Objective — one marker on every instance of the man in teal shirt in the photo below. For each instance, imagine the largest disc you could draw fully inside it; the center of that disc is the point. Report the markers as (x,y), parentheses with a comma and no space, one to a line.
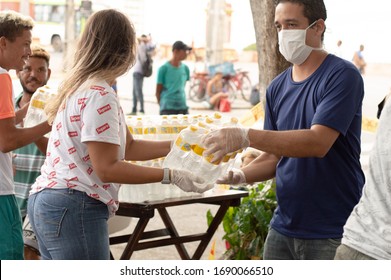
(171,80)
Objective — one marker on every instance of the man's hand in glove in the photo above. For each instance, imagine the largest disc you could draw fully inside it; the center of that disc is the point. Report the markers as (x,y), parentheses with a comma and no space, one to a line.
(233,177)
(223,141)
(188,182)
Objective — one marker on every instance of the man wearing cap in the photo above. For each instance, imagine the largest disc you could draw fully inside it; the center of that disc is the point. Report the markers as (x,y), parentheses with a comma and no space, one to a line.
(171,80)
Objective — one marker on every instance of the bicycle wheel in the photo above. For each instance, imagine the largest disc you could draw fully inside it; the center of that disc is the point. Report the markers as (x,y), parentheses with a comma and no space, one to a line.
(197,91)
(230,88)
(246,87)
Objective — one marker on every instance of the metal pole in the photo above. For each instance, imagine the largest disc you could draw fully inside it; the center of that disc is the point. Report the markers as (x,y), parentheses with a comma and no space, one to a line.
(215,32)
(24,7)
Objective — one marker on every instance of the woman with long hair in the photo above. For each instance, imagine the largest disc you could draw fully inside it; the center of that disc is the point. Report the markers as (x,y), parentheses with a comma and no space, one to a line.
(90,147)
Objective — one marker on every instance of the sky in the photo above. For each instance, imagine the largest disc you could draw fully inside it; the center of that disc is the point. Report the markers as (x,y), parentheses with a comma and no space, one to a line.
(354,22)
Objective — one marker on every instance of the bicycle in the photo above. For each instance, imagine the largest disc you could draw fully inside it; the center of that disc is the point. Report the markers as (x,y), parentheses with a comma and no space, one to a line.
(197,88)
(199,82)
(240,81)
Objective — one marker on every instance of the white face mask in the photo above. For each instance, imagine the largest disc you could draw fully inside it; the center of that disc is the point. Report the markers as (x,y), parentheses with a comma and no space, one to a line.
(292,45)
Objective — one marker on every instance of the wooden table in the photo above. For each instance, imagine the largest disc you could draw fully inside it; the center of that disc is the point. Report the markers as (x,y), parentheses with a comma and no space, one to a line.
(142,202)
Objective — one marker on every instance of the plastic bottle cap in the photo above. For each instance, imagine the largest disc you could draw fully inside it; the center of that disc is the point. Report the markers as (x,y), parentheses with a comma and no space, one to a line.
(208,120)
(201,124)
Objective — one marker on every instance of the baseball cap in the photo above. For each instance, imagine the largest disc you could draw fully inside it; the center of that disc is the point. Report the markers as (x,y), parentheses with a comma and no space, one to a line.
(179,45)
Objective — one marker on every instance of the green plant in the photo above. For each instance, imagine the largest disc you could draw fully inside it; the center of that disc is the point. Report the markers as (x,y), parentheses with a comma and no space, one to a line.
(247,225)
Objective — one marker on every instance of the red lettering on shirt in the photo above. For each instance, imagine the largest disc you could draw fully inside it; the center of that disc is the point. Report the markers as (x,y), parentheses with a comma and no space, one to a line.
(72,166)
(86,158)
(80,101)
(102,128)
(95,186)
(52,184)
(71,150)
(72,133)
(97,88)
(89,170)
(106,186)
(94,195)
(104,109)
(52,175)
(56,143)
(71,185)
(103,93)
(58,126)
(72,179)
(56,160)
(111,202)
(75,118)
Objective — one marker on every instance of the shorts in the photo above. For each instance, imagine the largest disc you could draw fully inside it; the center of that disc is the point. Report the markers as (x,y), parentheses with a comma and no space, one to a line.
(11,244)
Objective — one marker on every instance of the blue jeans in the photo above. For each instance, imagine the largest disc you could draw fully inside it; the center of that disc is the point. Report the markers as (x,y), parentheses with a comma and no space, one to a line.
(281,247)
(138,80)
(345,252)
(69,225)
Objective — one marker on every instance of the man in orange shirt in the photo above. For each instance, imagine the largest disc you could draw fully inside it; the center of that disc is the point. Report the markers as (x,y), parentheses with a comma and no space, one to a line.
(15,40)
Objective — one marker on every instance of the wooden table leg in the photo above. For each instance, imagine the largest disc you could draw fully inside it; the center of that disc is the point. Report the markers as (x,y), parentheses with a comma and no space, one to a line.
(211,230)
(134,239)
(173,233)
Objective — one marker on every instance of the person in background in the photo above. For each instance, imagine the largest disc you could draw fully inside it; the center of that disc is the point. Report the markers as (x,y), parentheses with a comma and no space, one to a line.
(310,142)
(15,41)
(249,156)
(215,91)
(367,232)
(29,159)
(145,46)
(90,148)
(359,61)
(171,80)
(338,50)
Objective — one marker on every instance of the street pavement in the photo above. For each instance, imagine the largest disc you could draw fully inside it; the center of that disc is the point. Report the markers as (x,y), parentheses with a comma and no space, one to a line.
(192,218)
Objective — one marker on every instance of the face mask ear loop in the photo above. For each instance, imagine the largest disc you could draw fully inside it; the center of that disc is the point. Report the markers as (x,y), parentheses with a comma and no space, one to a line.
(311,25)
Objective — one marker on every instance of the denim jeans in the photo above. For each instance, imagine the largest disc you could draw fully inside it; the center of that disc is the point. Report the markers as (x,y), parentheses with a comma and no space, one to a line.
(69,225)
(138,81)
(281,247)
(347,253)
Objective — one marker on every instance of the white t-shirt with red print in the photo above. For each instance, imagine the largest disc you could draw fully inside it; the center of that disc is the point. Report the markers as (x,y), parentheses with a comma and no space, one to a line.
(92,113)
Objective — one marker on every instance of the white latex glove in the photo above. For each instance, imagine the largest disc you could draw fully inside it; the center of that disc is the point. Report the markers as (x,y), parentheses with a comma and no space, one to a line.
(233,177)
(223,141)
(188,182)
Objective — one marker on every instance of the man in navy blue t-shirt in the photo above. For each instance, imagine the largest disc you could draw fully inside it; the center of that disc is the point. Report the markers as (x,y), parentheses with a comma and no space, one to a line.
(311,139)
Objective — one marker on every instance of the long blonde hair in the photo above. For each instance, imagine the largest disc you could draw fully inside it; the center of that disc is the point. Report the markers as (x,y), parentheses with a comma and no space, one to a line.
(105,50)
